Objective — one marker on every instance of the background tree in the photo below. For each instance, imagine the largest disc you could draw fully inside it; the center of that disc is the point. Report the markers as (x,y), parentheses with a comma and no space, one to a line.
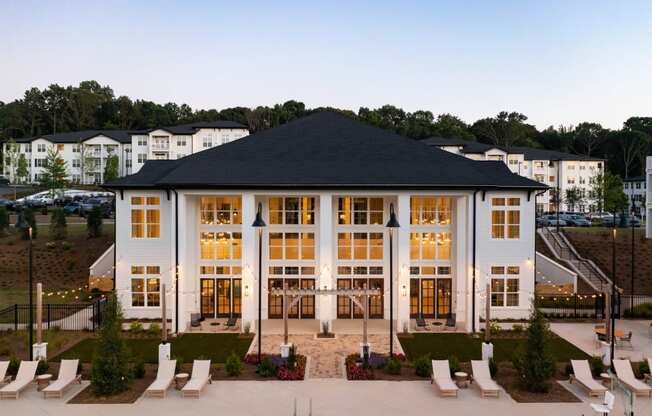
(588,137)
(111,168)
(22,172)
(615,199)
(573,197)
(11,158)
(534,361)
(58,225)
(112,370)
(94,222)
(54,171)
(4,221)
(504,130)
(448,125)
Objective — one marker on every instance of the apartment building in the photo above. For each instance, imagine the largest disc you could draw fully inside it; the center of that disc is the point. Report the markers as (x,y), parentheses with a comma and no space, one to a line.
(635,188)
(558,170)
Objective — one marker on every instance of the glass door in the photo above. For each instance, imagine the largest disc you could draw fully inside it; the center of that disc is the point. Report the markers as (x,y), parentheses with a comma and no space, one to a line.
(293,312)
(427,298)
(207,298)
(444,297)
(236,292)
(275,302)
(223,298)
(376,301)
(308,302)
(358,313)
(343,302)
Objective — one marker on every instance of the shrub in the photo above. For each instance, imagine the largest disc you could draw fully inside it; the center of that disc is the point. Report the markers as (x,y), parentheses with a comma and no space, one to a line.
(393,366)
(534,361)
(154,329)
(42,367)
(51,245)
(31,220)
(518,328)
(643,368)
(66,245)
(111,372)
(644,310)
(14,364)
(495,328)
(94,223)
(324,327)
(568,370)
(422,366)
(597,366)
(58,224)
(136,327)
(233,365)
(139,369)
(493,368)
(454,364)
(266,368)
(292,357)
(179,365)
(4,221)
(247,328)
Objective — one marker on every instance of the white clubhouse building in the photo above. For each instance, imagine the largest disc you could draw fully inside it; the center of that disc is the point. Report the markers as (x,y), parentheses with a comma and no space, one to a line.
(325,184)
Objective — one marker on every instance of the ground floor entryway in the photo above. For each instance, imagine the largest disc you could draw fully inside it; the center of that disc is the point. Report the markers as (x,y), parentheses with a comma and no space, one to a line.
(430,298)
(221,298)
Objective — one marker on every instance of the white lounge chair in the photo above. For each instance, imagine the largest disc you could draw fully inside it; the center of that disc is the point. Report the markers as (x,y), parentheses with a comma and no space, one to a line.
(67,376)
(441,377)
(626,375)
(4,377)
(482,377)
(605,407)
(582,374)
(201,375)
(25,376)
(164,379)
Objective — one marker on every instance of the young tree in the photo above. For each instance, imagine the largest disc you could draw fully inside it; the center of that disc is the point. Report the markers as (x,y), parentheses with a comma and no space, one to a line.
(94,222)
(573,197)
(4,221)
(22,172)
(112,365)
(54,172)
(111,168)
(11,158)
(58,224)
(534,361)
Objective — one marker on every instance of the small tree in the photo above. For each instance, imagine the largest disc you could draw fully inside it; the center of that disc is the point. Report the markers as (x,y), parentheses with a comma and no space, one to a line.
(112,365)
(58,224)
(11,158)
(22,172)
(573,198)
(111,168)
(4,221)
(54,172)
(31,220)
(534,361)
(94,222)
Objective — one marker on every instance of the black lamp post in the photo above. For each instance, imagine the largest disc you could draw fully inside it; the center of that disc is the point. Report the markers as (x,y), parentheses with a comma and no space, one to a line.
(22,224)
(612,337)
(259,223)
(557,191)
(391,224)
(631,221)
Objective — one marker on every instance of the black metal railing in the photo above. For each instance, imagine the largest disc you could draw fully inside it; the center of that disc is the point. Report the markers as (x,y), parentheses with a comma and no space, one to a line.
(69,317)
(573,306)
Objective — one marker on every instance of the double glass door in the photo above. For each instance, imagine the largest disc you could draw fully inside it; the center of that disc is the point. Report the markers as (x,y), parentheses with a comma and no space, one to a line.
(430,298)
(305,309)
(347,309)
(221,298)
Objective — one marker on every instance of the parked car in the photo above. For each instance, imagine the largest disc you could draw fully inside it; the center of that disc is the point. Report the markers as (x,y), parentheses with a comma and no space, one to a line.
(626,221)
(8,204)
(72,208)
(575,220)
(551,221)
(4,181)
(87,206)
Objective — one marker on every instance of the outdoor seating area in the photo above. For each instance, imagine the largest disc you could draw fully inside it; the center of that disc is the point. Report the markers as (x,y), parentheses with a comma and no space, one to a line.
(421,324)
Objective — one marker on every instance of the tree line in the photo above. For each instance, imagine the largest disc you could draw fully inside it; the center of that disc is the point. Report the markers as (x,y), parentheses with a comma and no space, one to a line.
(90,105)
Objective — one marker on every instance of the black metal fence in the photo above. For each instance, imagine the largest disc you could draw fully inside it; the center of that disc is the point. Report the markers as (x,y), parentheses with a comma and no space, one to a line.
(574,306)
(69,317)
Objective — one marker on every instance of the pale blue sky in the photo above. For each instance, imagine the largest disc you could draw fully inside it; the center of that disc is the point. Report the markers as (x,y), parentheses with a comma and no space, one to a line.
(558,62)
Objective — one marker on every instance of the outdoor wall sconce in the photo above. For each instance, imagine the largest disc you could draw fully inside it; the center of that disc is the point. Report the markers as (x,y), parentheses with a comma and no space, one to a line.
(246,291)
(403,291)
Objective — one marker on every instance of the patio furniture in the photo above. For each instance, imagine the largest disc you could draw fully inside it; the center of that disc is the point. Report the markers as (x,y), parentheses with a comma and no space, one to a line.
(441,377)
(422,324)
(606,406)
(201,376)
(231,323)
(4,377)
(582,374)
(195,320)
(482,377)
(25,376)
(450,322)
(42,381)
(603,332)
(625,341)
(606,380)
(626,375)
(164,379)
(67,376)
(180,380)
(461,379)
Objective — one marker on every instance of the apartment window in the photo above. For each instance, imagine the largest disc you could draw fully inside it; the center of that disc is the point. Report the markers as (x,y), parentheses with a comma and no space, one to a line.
(221,210)
(207,141)
(76,163)
(539,164)
(513,161)
(430,246)
(28,148)
(504,286)
(360,246)
(40,148)
(39,163)
(145,286)
(142,157)
(225,139)
(128,163)
(292,210)
(539,178)
(571,167)
(430,211)
(181,141)
(571,181)
(582,167)
(76,178)
(638,185)
(582,181)
(142,141)
(76,148)
(291,246)
(145,217)
(220,246)
(360,211)
(505,218)
(551,179)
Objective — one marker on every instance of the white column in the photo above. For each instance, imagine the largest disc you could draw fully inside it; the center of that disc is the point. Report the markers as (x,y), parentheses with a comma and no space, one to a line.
(402,269)
(461,244)
(249,262)
(326,242)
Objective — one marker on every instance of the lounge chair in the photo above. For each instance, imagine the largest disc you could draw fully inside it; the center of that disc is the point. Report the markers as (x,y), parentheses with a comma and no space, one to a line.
(582,374)
(451,322)
(25,376)
(201,375)
(625,341)
(441,377)
(422,324)
(606,406)
(164,379)
(67,376)
(231,323)
(626,376)
(4,377)
(482,377)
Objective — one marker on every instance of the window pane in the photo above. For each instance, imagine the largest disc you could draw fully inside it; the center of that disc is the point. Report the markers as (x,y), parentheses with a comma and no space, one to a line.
(360,210)
(344,210)
(153,231)
(443,270)
(153,200)
(444,246)
(498,231)
(376,246)
(137,299)
(137,216)
(498,202)
(236,206)
(153,270)
(207,210)
(514,202)
(206,270)
(512,285)
(344,246)
(307,246)
(137,231)
(416,205)
(136,200)
(223,243)
(414,246)
(292,210)
(153,299)
(497,299)
(137,285)
(359,246)
(307,210)
(512,299)
(153,285)
(275,246)
(236,242)
(292,246)
(428,246)
(513,270)
(207,246)
(137,269)
(376,210)
(497,270)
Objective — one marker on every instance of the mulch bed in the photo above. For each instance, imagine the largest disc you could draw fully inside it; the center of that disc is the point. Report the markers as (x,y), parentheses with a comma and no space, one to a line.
(137,388)
(508,378)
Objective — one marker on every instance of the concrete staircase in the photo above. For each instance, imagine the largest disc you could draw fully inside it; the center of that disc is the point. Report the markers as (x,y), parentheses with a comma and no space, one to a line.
(564,252)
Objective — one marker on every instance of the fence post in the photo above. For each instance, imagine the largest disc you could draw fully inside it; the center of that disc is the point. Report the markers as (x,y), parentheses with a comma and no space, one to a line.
(93,317)
(48,308)
(16,317)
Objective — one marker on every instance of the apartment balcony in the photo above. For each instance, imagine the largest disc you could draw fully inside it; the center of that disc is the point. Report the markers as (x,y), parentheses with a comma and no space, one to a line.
(161,147)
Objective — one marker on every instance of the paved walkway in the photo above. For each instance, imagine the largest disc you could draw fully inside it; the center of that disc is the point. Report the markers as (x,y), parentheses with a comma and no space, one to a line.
(327,354)
(329,397)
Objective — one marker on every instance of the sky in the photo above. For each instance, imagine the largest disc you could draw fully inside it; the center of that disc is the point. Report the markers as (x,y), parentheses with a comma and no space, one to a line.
(557,62)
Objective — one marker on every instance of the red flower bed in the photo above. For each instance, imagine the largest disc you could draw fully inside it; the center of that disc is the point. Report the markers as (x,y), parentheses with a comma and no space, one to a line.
(355,369)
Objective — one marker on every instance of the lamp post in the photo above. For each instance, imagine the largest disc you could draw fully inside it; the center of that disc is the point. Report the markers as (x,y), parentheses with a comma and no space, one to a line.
(612,338)
(391,224)
(558,190)
(22,224)
(259,223)
(631,222)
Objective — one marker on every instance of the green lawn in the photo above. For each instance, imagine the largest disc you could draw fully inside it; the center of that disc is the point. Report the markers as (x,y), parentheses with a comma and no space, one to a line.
(466,348)
(215,347)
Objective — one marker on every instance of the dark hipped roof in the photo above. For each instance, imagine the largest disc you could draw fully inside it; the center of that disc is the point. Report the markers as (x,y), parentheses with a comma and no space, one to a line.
(529,153)
(121,136)
(192,128)
(635,179)
(325,150)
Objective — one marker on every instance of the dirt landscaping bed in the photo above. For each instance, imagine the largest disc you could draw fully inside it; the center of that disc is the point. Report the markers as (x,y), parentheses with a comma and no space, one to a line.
(137,388)
(508,379)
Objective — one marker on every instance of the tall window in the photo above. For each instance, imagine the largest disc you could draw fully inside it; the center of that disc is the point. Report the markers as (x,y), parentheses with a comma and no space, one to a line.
(430,211)
(145,217)
(145,286)
(291,246)
(220,246)
(505,218)
(360,246)
(504,286)
(292,210)
(207,141)
(360,211)
(221,210)
(430,246)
